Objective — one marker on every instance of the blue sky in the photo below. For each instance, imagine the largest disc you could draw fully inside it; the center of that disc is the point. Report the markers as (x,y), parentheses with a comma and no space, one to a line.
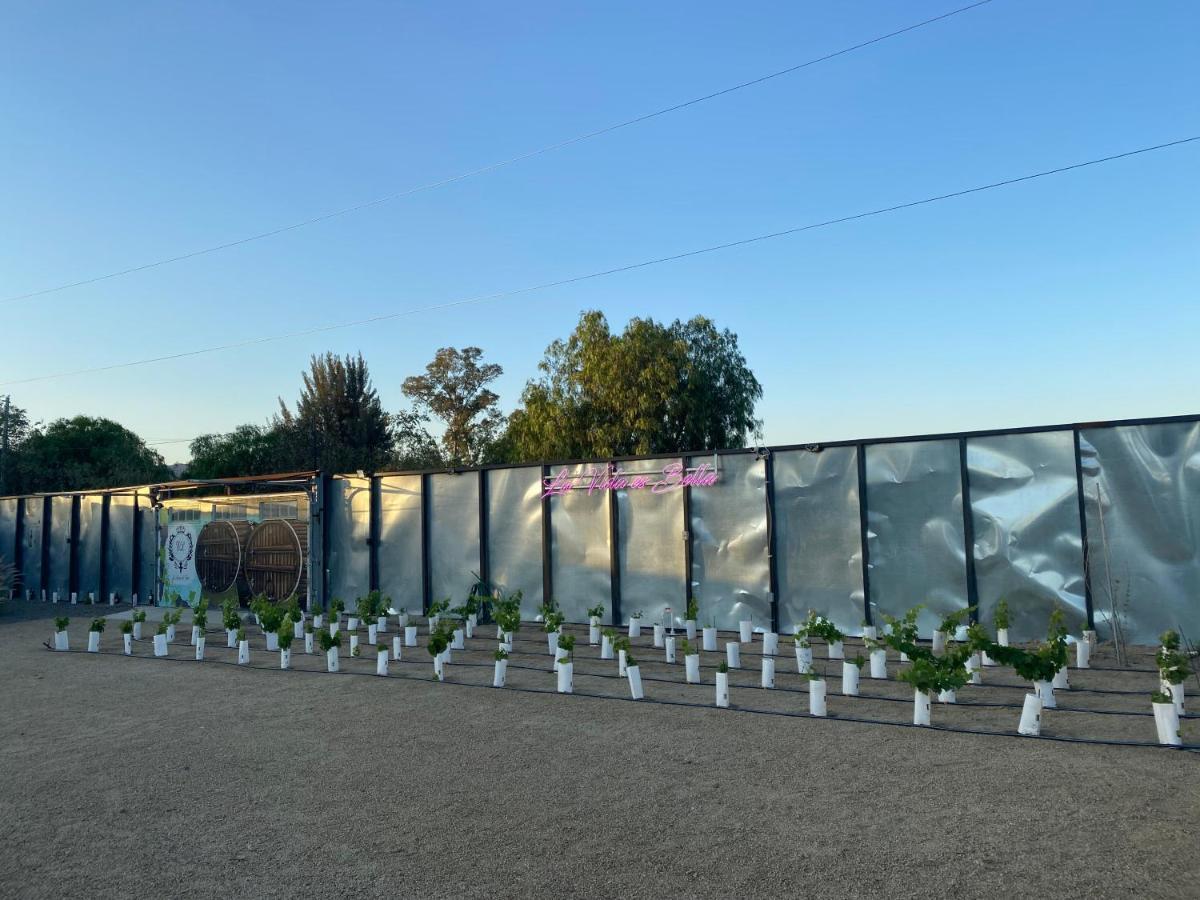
(135,131)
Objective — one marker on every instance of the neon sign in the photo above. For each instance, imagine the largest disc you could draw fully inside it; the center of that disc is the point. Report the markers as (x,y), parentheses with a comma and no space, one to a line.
(673,477)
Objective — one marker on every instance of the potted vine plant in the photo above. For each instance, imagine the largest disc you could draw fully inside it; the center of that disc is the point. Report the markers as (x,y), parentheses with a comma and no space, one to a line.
(127,637)
(635,624)
(669,648)
(1166,718)
(768,672)
(336,608)
(381,659)
(877,653)
(243,645)
(870,632)
(1083,652)
(851,669)
(746,631)
(826,630)
(501,671)
(171,619)
(622,645)
(439,643)
(1057,631)
(931,674)
(296,615)
(722,684)
(803,650)
(271,618)
(353,642)
(594,616)
(566,672)
(635,676)
(733,654)
(201,640)
(1173,669)
(436,609)
(402,617)
(160,639)
(1000,622)
(691,662)
(692,616)
(310,626)
(553,624)
(606,643)
(659,632)
(816,693)
(410,635)
(331,642)
(94,632)
(139,617)
(285,649)
(566,646)
(709,636)
(1031,716)
(770,643)
(951,622)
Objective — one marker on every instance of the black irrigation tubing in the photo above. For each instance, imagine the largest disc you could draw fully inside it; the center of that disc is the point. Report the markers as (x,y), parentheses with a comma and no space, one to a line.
(1105,742)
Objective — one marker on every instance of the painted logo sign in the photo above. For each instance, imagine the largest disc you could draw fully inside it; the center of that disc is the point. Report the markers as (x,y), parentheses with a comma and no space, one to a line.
(672,477)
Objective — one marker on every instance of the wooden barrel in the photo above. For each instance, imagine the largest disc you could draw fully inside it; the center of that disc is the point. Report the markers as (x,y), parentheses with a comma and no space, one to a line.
(276,559)
(219,555)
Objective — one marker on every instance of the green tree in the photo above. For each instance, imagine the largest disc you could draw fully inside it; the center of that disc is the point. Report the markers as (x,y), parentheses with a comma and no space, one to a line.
(84,453)
(454,388)
(339,424)
(652,389)
(247,450)
(14,428)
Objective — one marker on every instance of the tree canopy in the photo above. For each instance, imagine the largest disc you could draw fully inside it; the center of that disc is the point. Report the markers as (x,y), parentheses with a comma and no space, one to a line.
(652,389)
(454,388)
(84,453)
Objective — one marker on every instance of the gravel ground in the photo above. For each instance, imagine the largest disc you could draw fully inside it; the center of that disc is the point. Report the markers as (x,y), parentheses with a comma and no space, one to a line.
(140,777)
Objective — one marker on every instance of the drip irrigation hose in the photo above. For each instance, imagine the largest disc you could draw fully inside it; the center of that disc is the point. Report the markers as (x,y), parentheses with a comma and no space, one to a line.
(1106,742)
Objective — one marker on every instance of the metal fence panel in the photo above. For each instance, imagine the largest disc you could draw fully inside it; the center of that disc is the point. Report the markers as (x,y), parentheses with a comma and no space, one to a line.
(8,531)
(120,547)
(1142,493)
(31,552)
(400,541)
(453,535)
(580,565)
(348,511)
(149,551)
(817,537)
(91,532)
(514,516)
(730,572)
(60,548)
(915,538)
(651,534)
(1025,513)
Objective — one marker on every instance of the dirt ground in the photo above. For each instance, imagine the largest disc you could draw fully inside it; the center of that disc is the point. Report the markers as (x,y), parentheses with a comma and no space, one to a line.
(141,777)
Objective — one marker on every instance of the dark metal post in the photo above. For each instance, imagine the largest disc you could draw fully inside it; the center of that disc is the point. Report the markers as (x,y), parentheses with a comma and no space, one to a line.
(73,544)
(772,569)
(426,573)
(485,575)
(135,581)
(318,516)
(374,530)
(547,579)
(614,552)
(860,455)
(19,543)
(688,583)
(968,530)
(105,507)
(44,571)
(1083,531)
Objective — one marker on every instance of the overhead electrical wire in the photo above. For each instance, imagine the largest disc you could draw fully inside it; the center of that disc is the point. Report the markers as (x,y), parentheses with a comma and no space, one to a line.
(562,282)
(491,167)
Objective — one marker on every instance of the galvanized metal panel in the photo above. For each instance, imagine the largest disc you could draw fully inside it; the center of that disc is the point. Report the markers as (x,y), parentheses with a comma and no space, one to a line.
(1142,489)
(91,515)
(580,565)
(31,553)
(120,547)
(348,511)
(817,537)
(453,535)
(730,571)
(514,511)
(60,547)
(8,530)
(1025,513)
(651,534)
(148,539)
(915,538)
(400,541)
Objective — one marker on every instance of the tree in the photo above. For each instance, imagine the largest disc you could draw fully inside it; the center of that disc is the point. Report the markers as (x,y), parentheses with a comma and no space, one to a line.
(652,389)
(84,453)
(14,427)
(247,450)
(339,424)
(454,388)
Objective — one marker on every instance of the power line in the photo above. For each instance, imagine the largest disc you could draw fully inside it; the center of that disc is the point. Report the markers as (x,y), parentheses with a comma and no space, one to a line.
(491,167)
(742,242)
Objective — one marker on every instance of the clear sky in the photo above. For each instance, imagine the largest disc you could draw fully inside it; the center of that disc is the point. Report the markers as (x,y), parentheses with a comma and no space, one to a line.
(132,131)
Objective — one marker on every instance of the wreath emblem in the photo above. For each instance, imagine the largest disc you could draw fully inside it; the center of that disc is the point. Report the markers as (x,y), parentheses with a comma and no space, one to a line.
(180,547)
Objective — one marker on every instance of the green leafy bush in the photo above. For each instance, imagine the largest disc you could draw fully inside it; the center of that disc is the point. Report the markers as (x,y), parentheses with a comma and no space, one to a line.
(596,611)
(329,641)
(98,625)
(61,623)
(693,608)
(1000,616)
(127,627)
(285,639)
